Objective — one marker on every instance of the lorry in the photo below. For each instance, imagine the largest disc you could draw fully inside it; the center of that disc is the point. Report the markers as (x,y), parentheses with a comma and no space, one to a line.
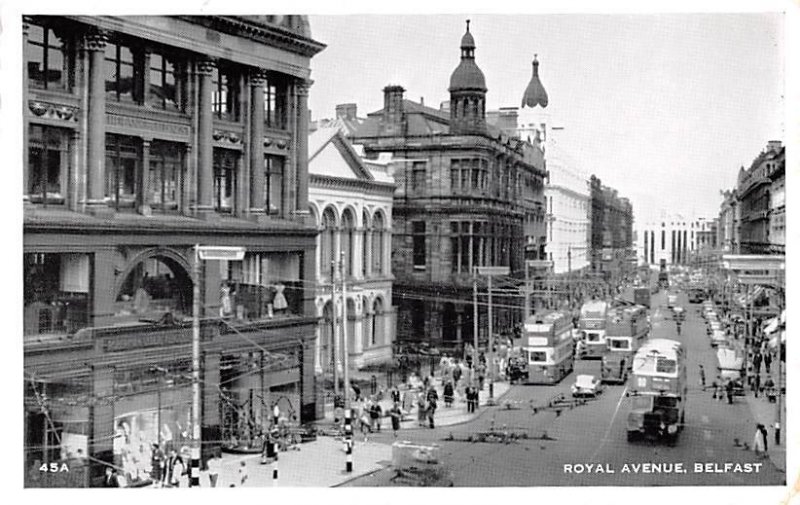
(658,390)
(626,329)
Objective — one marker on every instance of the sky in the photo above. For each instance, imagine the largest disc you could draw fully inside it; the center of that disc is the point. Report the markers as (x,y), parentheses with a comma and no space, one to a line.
(664,108)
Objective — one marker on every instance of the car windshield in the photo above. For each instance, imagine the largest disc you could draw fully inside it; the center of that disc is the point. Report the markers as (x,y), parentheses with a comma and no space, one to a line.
(584,381)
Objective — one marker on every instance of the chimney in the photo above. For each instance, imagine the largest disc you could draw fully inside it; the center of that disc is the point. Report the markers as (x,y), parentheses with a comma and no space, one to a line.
(422,100)
(392,110)
(774,145)
(346,111)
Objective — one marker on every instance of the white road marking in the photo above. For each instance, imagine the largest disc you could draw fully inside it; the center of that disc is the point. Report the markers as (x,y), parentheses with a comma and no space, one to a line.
(610,424)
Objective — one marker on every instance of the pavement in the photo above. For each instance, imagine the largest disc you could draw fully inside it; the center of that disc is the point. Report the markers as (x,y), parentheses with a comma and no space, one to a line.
(322,462)
(764,412)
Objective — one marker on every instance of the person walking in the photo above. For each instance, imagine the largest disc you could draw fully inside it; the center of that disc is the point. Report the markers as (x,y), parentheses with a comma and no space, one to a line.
(213,469)
(431,411)
(729,390)
(757,362)
(421,410)
(702,376)
(157,465)
(396,415)
(178,469)
(376,412)
(767,361)
(756,384)
(760,440)
(448,394)
(395,395)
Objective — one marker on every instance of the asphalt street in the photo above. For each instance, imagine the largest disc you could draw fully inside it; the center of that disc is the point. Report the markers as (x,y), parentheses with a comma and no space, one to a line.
(561,445)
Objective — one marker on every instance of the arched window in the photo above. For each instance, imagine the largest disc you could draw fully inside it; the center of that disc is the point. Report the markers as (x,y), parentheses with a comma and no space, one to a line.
(368,324)
(326,337)
(364,251)
(328,240)
(377,243)
(153,287)
(377,322)
(348,236)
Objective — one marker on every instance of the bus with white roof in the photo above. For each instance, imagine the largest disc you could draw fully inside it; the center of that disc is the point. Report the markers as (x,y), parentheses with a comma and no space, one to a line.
(592,329)
(658,389)
(548,347)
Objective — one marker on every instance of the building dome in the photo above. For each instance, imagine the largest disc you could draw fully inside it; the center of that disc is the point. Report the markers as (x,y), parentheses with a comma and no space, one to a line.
(467,76)
(535,93)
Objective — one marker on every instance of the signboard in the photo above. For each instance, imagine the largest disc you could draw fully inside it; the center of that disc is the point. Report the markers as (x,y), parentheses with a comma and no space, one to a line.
(221,253)
(537,341)
(539,263)
(494,270)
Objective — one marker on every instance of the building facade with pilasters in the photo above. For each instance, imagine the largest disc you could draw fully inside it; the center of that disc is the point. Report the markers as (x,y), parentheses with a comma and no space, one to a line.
(143,137)
(351,201)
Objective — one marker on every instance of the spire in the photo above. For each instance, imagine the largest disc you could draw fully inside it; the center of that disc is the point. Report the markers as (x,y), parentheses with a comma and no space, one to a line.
(535,93)
(467,75)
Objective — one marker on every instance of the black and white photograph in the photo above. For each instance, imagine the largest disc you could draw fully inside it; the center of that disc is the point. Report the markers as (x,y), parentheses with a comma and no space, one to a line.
(401,248)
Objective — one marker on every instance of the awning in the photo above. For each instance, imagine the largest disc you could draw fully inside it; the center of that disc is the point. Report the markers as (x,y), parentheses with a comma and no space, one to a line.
(745,299)
(773,342)
(772,325)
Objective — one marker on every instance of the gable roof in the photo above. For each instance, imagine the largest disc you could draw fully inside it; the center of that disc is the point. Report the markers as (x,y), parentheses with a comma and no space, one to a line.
(328,143)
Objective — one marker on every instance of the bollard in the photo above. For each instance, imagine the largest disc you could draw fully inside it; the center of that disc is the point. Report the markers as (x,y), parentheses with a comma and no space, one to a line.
(348,438)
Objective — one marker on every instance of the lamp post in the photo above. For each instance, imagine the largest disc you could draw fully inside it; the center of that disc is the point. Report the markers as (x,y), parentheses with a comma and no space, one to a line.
(489,272)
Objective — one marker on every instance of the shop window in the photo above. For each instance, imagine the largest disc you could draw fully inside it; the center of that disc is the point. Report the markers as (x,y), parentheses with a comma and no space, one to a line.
(263,285)
(225,92)
(165,176)
(154,287)
(122,164)
(162,92)
(273,183)
(47,165)
(56,293)
(225,180)
(45,56)
(121,73)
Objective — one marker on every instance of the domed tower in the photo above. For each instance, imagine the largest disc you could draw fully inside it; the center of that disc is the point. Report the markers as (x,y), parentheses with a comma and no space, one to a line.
(533,118)
(467,92)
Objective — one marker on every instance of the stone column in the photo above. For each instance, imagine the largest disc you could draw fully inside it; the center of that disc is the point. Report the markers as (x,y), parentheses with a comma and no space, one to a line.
(95,45)
(143,196)
(186,179)
(368,259)
(205,150)
(256,142)
(356,255)
(301,133)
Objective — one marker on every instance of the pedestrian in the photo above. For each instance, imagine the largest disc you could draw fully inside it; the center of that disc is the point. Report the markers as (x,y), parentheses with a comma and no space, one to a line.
(395,395)
(765,436)
(421,408)
(448,394)
(364,420)
(276,413)
(178,470)
(702,377)
(431,411)
(243,473)
(213,469)
(729,390)
(757,385)
(757,362)
(169,466)
(111,479)
(760,440)
(457,372)
(157,458)
(767,361)
(474,395)
(396,415)
(376,412)
(714,389)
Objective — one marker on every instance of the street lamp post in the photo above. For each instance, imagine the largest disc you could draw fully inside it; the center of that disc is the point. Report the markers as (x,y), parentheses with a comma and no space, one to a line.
(489,272)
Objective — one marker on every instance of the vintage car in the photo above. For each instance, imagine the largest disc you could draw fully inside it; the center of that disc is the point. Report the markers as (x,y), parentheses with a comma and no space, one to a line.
(586,386)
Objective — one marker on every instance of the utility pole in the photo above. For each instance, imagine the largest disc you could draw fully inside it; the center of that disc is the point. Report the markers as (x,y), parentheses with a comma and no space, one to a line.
(475,314)
(345,349)
(335,330)
(491,343)
(527,308)
(194,471)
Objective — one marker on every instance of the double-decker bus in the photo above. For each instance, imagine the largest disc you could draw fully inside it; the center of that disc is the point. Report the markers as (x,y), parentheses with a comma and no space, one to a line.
(626,329)
(592,329)
(658,389)
(547,347)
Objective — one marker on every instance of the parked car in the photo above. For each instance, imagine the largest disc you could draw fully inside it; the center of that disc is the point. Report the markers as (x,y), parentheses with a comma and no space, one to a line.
(586,386)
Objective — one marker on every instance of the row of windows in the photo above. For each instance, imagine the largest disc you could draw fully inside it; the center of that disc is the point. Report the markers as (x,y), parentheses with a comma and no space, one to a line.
(151,77)
(48,169)
(328,249)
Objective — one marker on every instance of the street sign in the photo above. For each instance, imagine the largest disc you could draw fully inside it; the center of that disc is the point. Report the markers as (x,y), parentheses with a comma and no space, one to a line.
(221,253)
(494,270)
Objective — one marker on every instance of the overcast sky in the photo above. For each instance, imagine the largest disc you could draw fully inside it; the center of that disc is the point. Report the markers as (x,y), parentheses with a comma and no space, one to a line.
(662,107)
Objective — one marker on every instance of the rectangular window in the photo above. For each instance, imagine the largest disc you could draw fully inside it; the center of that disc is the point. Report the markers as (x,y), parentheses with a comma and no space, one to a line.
(455,176)
(225,94)
(120,73)
(418,235)
(477,243)
(663,239)
(273,181)
(455,249)
(44,55)
(122,164)
(162,92)
(56,291)
(165,176)
(224,180)
(418,172)
(47,165)
(476,175)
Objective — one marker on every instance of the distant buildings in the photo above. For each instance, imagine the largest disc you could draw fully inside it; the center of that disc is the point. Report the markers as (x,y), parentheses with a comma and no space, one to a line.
(677,239)
(611,219)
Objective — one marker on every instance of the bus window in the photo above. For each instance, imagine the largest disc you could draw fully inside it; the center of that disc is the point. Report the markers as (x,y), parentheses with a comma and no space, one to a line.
(620,344)
(538,357)
(593,337)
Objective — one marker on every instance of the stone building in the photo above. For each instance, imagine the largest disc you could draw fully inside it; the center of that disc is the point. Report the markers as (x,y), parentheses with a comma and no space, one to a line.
(145,136)
(465,192)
